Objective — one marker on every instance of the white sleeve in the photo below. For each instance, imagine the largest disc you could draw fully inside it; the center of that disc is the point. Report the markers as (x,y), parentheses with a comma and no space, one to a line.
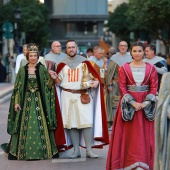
(161,70)
(18,61)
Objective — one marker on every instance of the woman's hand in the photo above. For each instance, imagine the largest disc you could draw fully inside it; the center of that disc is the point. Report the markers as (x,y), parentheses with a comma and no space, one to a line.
(137,106)
(94,83)
(53,74)
(17,107)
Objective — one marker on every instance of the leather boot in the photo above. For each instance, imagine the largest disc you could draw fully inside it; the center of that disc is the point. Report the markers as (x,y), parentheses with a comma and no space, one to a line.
(74,133)
(87,132)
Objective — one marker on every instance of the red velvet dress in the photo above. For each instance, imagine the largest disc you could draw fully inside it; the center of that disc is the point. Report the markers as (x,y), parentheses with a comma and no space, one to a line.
(132,142)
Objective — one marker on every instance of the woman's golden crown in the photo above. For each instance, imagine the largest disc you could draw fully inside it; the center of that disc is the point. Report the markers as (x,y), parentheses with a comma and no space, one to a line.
(32,48)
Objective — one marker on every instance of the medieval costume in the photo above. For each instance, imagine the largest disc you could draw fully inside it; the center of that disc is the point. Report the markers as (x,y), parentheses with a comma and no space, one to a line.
(160,65)
(32,127)
(98,65)
(132,139)
(162,126)
(2,72)
(52,60)
(75,114)
(112,80)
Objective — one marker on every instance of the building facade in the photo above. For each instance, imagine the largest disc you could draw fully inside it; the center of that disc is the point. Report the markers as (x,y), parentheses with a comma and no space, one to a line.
(113,4)
(82,20)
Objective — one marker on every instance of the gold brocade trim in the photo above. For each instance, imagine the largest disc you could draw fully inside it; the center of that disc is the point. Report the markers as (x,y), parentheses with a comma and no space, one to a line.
(17,98)
(69,114)
(49,152)
(31,76)
(46,134)
(50,82)
(77,113)
(135,165)
(80,126)
(21,132)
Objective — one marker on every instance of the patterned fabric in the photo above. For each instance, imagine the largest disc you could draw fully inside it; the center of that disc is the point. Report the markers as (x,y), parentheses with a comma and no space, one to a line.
(32,127)
(138,74)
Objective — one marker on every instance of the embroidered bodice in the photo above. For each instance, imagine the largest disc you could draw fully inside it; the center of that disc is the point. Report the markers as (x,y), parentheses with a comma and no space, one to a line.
(138,74)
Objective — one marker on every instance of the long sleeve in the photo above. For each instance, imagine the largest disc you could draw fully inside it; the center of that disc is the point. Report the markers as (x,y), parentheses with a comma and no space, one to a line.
(17,98)
(122,81)
(161,67)
(153,83)
(48,96)
(18,61)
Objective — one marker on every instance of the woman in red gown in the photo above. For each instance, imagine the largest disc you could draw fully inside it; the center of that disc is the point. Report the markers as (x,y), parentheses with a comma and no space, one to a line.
(132,138)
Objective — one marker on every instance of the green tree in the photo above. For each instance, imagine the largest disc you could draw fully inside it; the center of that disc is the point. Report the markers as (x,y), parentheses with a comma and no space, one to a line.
(152,16)
(118,22)
(34,19)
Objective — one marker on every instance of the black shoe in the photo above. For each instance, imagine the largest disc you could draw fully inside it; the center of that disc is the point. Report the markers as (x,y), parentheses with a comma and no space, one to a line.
(12,157)
(56,155)
(5,147)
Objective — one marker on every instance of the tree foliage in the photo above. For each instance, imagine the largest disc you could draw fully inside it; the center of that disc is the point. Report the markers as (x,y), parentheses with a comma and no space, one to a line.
(34,20)
(153,16)
(118,22)
(143,15)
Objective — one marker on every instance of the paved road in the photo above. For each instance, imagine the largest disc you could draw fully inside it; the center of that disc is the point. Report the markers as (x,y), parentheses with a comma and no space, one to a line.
(63,163)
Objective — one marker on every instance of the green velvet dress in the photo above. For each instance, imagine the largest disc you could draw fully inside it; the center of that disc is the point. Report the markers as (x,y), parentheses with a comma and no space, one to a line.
(32,128)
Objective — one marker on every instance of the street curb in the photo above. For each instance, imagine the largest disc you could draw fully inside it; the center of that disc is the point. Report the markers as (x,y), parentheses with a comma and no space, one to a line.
(5,98)
(6,91)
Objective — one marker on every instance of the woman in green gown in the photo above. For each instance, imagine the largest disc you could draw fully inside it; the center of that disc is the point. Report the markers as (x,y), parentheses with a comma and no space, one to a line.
(32,114)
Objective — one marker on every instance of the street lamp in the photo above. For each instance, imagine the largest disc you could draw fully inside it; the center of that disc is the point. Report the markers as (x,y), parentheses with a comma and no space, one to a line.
(17,16)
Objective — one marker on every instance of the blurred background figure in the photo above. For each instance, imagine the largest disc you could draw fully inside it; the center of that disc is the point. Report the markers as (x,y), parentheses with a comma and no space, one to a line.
(55,56)
(112,78)
(111,52)
(20,57)
(11,70)
(105,60)
(2,70)
(158,62)
(162,126)
(89,52)
(168,61)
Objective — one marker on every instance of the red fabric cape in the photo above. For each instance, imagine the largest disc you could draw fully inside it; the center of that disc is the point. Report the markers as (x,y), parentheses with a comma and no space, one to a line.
(59,132)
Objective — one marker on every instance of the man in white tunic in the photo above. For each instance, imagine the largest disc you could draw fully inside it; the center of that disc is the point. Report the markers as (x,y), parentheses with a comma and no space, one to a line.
(85,123)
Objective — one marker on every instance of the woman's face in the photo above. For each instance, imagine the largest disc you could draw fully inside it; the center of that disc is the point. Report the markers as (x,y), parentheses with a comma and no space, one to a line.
(33,58)
(137,53)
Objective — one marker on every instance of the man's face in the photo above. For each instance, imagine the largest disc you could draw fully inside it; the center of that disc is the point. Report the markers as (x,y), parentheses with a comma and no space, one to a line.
(149,53)
(123,47)
(71,49)
(56,47)
(98,53)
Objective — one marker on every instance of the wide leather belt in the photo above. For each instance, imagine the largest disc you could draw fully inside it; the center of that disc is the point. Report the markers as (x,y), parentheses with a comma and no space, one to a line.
(75,91)
(137,88)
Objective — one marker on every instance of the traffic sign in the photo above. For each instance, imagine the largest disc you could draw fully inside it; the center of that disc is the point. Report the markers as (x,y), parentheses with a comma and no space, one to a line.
(7,36)
(7,29)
